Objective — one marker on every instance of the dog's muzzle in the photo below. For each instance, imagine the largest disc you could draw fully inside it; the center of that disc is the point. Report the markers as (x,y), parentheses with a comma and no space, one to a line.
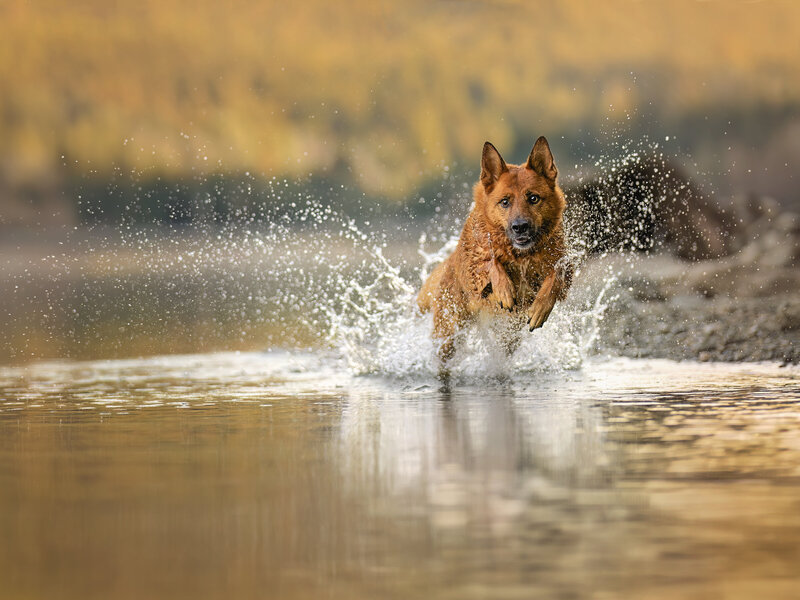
(521,234)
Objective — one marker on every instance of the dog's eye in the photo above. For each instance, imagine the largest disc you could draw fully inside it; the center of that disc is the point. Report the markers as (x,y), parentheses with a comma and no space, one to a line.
(505,202)
(533,198)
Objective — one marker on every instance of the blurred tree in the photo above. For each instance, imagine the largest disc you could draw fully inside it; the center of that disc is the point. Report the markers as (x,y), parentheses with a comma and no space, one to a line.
(377,93)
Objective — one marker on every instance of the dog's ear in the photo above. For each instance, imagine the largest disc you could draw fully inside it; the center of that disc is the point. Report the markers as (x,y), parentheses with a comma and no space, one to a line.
(541,159)
(492,165)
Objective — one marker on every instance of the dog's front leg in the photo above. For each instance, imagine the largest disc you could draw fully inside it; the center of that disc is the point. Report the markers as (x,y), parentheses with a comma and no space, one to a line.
(554,287)
(502,289)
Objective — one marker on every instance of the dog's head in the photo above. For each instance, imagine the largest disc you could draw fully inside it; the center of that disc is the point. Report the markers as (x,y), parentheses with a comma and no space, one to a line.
(523,200)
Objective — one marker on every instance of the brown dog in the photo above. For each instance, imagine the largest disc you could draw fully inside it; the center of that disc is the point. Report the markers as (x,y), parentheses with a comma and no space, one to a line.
(511,254)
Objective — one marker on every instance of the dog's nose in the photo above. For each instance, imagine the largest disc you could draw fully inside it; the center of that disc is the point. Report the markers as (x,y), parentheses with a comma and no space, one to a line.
(520,226)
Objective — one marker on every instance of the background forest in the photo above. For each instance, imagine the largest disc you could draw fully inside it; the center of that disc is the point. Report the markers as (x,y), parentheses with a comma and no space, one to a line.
(112,106)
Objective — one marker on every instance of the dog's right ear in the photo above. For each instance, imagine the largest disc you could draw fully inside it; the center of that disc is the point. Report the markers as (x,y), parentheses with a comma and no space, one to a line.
(492,166)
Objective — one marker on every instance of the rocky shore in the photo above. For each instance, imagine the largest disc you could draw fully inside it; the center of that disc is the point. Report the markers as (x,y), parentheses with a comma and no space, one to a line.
(741,307)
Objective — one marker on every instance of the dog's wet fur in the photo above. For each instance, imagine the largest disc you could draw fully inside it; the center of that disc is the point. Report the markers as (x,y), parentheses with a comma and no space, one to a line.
(511,255)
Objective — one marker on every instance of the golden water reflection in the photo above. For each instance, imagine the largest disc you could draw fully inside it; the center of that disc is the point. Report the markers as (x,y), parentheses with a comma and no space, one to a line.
(280,476)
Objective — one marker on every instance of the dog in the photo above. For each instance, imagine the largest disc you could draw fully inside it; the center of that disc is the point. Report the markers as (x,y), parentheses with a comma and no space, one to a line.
(511,255)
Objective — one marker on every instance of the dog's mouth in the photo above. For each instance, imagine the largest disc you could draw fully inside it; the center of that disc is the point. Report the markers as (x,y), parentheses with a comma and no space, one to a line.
(525,241)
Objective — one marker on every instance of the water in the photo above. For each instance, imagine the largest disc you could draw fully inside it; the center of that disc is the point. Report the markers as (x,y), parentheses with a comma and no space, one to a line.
(330,464)
(330,285)
(288,270)
(283,475)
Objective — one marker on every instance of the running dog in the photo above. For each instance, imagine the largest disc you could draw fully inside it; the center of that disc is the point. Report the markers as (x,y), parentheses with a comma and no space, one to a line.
(511,255)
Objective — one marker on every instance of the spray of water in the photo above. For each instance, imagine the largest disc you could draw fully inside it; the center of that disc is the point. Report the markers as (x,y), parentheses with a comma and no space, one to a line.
(377,328)
(635,202)
(296,272)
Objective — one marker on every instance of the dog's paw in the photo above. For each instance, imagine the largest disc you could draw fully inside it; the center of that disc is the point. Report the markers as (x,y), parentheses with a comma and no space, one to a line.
(539,311)
(505,299)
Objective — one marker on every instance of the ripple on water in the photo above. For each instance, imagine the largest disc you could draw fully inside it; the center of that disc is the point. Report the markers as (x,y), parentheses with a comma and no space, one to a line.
(618,477)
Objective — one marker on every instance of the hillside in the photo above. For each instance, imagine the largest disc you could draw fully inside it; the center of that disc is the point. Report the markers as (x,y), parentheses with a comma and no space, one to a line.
(379,94)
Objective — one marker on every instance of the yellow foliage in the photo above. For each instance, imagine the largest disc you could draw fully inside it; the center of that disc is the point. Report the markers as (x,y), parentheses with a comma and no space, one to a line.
(389,90)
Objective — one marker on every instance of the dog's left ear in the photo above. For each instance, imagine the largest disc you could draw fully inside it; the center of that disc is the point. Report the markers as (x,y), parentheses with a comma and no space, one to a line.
(541,159)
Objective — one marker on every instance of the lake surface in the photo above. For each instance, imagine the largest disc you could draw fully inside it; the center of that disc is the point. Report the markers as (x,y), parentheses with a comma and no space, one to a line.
(281,475)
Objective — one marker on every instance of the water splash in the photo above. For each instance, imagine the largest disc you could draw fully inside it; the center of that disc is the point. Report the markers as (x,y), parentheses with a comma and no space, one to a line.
(289,270)
(377,328)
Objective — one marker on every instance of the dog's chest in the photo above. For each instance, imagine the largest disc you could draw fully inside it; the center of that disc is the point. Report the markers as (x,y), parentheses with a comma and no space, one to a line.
(526,279)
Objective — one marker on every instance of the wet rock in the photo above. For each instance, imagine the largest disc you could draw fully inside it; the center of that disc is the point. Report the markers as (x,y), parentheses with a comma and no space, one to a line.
(647,204)
(740,303)
(727,330)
